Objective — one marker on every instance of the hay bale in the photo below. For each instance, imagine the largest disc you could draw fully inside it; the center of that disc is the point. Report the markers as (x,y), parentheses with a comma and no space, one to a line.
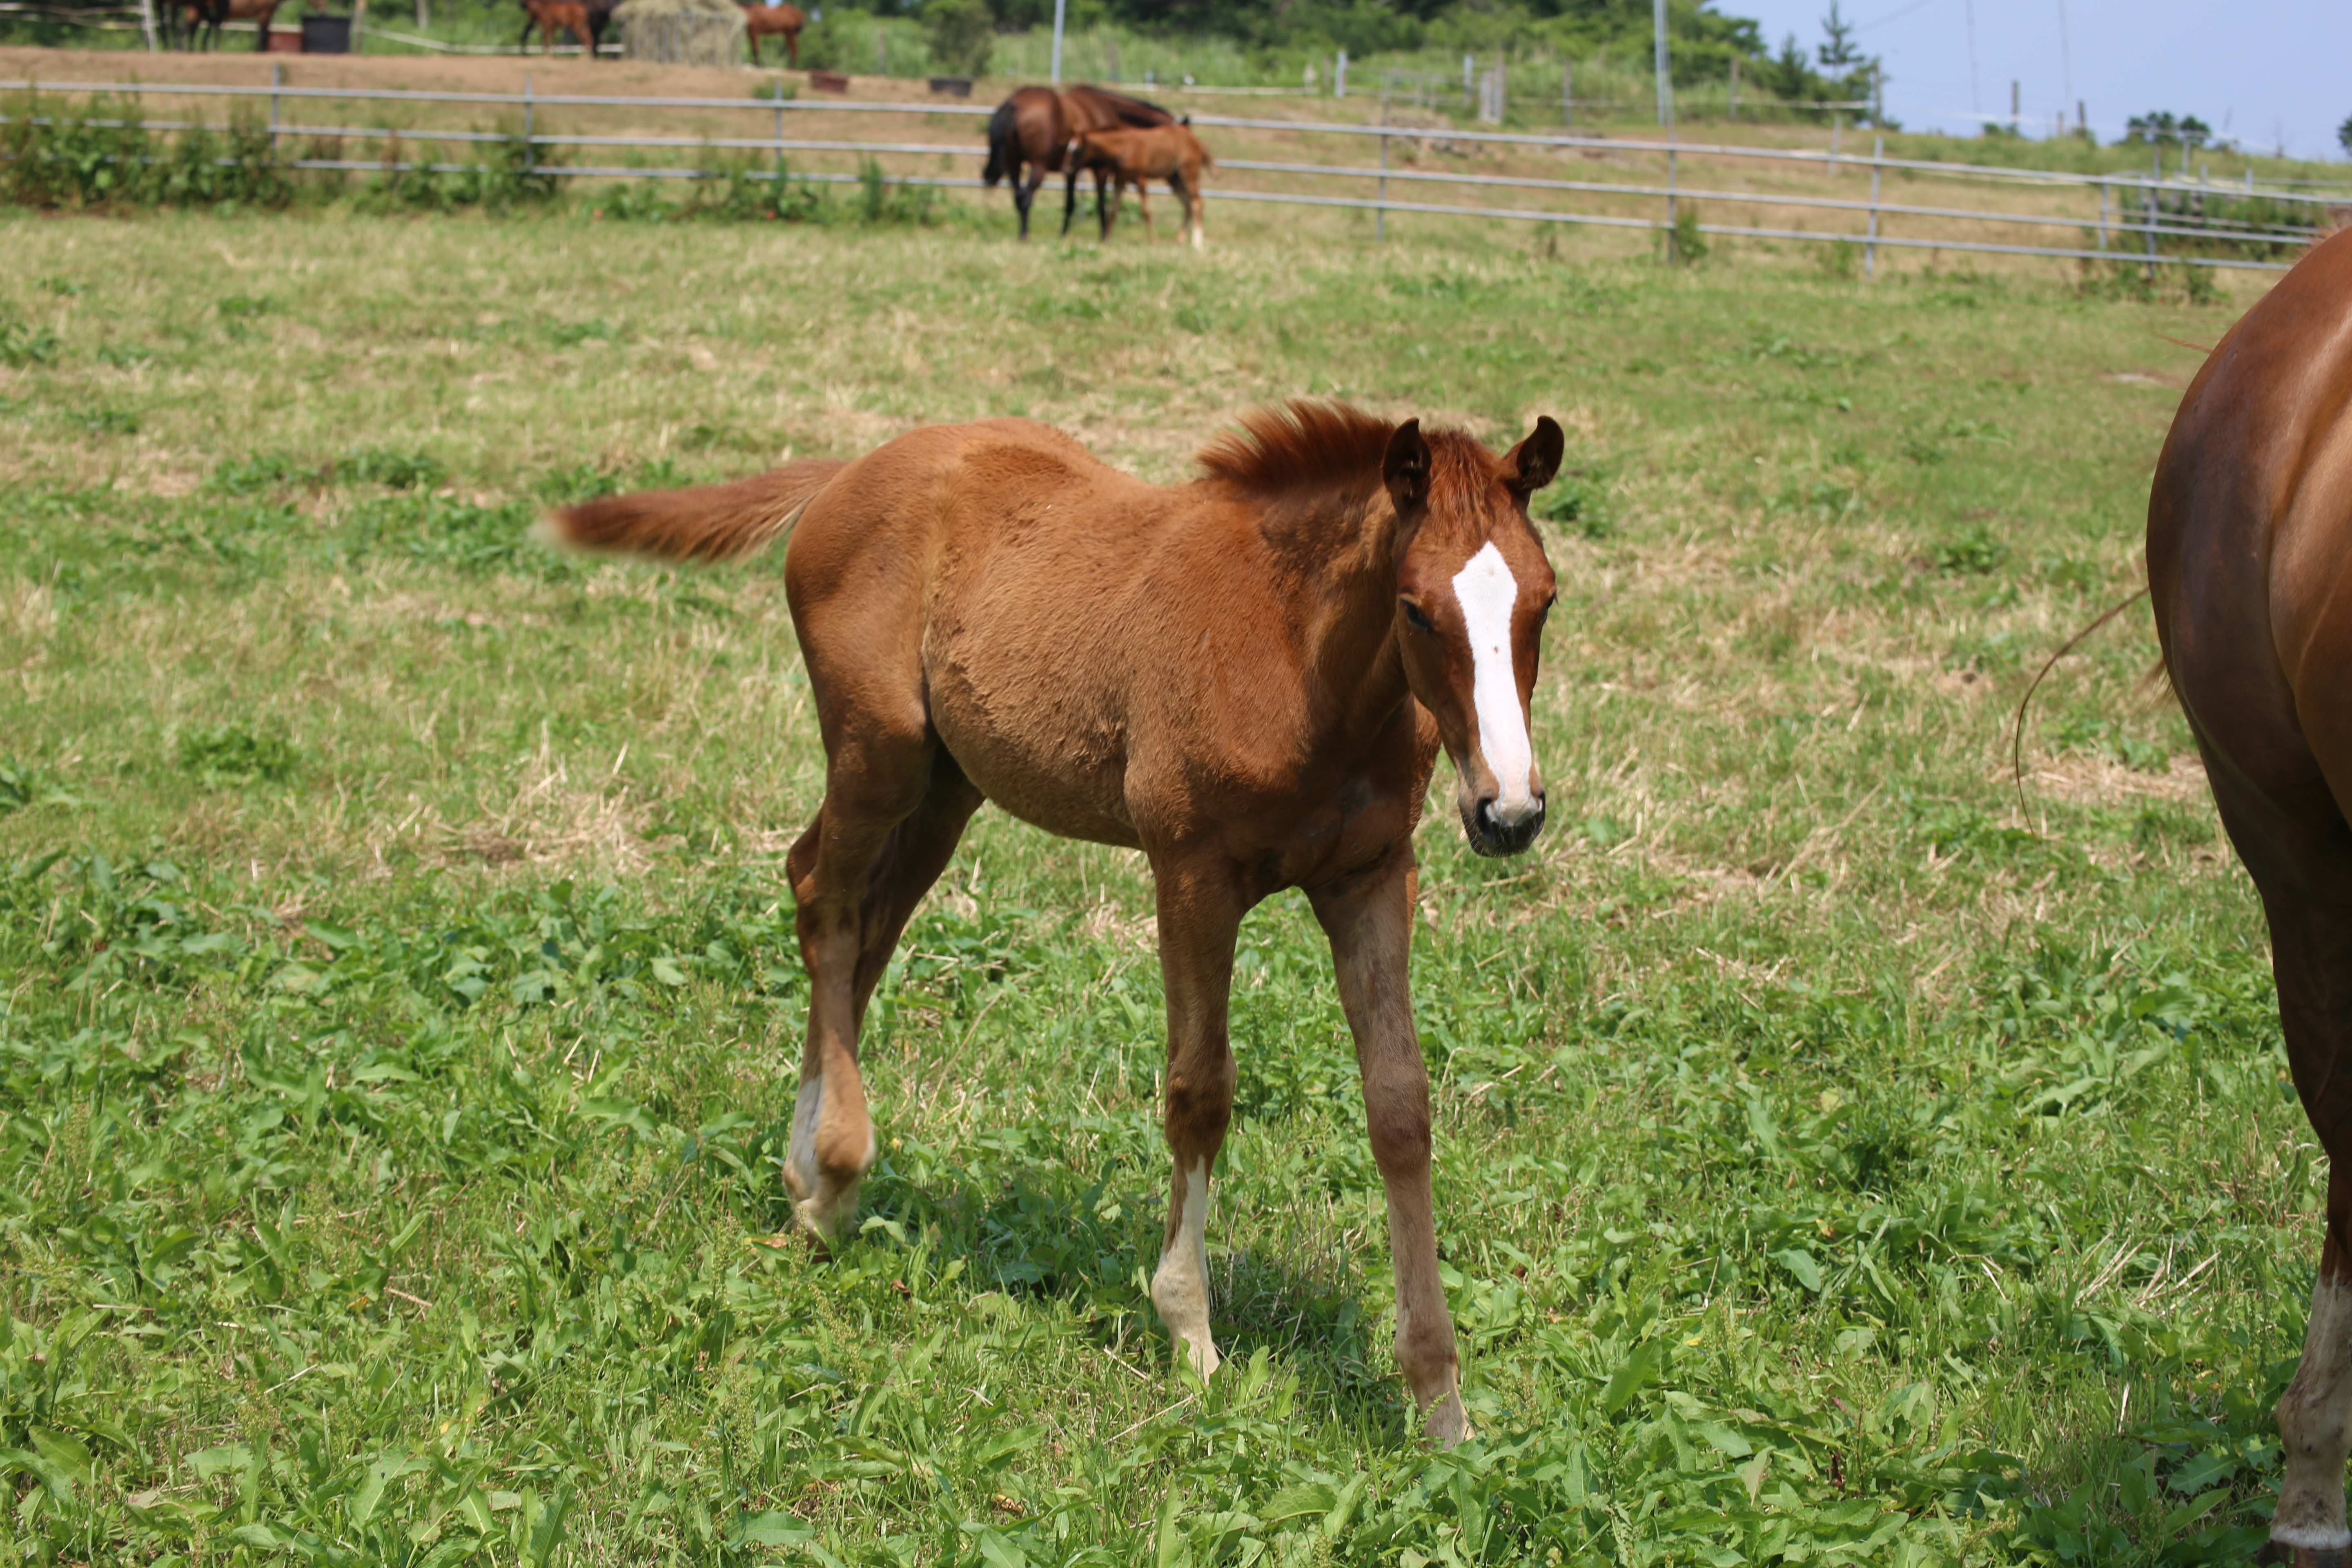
(682,32)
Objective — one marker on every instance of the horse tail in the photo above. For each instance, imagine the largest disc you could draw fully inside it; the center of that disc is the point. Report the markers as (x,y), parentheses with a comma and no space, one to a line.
(707,522)
(1003,146)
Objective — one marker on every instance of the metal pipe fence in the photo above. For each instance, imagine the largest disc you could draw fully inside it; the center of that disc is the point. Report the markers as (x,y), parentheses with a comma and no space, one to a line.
(2114,224)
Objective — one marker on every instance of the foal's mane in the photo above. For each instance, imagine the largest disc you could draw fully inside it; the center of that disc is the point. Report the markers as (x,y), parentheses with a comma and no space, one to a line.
(1307,443)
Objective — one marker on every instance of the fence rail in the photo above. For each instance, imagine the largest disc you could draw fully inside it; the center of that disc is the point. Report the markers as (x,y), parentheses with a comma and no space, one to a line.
(2131,207)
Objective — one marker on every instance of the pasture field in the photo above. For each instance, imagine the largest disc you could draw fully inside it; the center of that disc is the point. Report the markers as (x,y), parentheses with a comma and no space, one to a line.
(399,1016)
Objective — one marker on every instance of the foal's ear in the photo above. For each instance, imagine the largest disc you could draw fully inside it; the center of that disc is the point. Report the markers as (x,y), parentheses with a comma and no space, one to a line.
(1532,463)
(1405,469)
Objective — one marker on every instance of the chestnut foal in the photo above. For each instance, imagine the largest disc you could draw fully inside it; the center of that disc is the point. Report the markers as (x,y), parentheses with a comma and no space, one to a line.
(2249,548)
(1247,677)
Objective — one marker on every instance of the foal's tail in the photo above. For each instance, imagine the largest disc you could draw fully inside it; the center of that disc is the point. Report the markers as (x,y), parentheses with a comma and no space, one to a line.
(1003,146)
(707,522)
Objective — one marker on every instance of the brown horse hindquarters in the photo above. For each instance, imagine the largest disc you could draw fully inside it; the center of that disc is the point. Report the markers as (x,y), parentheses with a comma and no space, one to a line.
(2250,570)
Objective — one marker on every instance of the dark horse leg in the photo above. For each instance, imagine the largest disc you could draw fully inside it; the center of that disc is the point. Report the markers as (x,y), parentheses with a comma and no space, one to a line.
(1368,916)
(2280,763)
(1025,194)
(2304,878)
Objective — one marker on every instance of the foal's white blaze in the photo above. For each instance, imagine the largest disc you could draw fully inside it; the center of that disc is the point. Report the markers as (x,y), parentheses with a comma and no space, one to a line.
(1181,1287)
(2315,1418)
(1488,593)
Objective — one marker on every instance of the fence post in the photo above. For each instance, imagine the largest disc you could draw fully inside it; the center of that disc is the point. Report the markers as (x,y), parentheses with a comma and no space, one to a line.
(1870,247)
(530,152)
(1835,119)
(1467,101)
(1567,97)
(277,80)
(2154,173)
(1381,193)
(1340,75)
(780,151)
(1670,193)
(2102,214)
(147,22)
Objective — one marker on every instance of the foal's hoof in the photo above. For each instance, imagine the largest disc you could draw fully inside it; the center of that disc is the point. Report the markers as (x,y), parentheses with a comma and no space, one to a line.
(1447,1424)
(2305,1556)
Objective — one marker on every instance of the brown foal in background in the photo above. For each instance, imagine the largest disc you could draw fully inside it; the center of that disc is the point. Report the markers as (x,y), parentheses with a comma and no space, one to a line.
(1247,677)
(2249,552)
(786,21)
(1170,152)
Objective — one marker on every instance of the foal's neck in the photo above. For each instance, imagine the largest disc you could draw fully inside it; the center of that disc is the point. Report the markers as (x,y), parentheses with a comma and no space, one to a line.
(1341,546)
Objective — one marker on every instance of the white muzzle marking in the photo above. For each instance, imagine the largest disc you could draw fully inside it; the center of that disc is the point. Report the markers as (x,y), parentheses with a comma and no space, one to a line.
(1487,594)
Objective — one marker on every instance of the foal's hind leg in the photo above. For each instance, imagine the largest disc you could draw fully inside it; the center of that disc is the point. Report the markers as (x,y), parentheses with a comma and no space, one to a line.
(1369,917)
(1200,915)
(894,809)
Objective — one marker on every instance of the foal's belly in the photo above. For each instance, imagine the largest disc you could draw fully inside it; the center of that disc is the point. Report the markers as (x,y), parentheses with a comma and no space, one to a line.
(1038,743)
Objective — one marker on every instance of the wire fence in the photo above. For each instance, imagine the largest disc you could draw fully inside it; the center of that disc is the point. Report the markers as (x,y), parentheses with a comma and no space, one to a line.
(2150,220)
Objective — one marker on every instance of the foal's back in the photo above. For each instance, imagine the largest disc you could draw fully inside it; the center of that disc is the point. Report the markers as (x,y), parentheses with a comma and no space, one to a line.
(1049,617)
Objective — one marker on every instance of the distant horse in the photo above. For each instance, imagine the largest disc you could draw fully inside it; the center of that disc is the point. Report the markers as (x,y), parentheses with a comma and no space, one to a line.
(1033,128)
(201,20)
(1170,152)
(1246,676)
(2249,547)
(552,16)
(760,20)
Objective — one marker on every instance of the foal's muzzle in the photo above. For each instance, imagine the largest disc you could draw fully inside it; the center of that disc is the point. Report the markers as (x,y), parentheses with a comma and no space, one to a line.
(1493,832)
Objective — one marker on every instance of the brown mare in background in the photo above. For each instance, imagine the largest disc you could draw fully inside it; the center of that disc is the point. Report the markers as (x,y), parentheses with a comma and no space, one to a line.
(1032,130)
(1170,152)
(1247,677)
(201,20)
(759,21)
(2249,553)
(550,16)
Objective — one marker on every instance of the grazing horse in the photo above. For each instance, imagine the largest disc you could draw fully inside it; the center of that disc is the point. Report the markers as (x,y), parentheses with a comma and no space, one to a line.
(1247,677)
(201,20)
(1032,129)
(550,16)
(760,20)
(2249,547)
(1170,152)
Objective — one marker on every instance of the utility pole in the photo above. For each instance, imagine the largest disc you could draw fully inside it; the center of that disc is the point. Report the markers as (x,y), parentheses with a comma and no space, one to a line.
(1976,91)
(2066,57)
(1665,77)
(1060,7)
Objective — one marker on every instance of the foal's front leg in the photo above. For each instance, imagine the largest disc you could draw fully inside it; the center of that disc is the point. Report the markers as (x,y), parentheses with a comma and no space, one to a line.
(1200,915)
(1369,917)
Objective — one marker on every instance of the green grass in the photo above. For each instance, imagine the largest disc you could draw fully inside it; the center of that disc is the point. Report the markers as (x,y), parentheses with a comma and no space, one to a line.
(398,1013)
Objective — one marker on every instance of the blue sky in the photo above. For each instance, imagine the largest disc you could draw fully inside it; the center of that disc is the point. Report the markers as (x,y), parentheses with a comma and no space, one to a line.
(2274,70)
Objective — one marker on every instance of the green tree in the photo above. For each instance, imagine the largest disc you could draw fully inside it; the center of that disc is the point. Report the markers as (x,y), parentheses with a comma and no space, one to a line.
(963,35)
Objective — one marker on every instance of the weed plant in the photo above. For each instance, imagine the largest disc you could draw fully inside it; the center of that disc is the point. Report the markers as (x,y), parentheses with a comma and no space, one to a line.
(399,1006)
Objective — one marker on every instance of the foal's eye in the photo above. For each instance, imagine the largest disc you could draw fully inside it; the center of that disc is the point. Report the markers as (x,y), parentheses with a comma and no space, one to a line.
(1545,614)
(1412,612)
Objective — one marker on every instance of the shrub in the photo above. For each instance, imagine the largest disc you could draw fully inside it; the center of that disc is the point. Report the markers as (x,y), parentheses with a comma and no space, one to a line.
(963,35)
